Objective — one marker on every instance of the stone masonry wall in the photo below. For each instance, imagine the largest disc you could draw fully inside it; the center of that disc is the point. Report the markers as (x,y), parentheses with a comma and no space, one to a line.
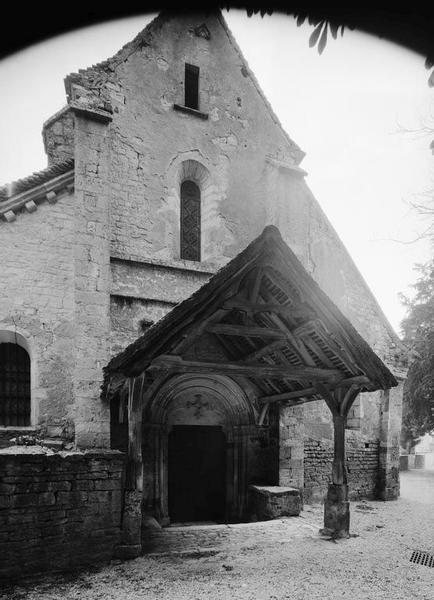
(37,302)
(362,469)
(58,511)
(227,149)
(143,292)
(58,136)
(362,448)
(291,447)
(390,420)
(91,281)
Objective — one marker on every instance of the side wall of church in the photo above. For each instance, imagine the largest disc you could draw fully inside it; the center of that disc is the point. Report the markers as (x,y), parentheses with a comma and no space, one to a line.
(37,301)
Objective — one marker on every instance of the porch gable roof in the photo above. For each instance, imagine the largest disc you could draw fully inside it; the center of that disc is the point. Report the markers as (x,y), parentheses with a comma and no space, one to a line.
(274,323)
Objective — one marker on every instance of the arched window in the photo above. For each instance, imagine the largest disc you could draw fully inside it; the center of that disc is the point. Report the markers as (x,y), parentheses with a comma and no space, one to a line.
(190,221)
(14,385)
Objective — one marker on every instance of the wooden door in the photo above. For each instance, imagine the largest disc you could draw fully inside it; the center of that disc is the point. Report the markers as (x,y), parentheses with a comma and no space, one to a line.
(197,473)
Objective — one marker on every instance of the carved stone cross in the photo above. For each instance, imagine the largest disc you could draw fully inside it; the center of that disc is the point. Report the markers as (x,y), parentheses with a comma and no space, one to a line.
(198,404)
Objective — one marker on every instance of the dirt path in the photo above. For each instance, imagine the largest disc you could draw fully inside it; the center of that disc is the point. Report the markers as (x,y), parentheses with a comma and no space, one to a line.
(273,562)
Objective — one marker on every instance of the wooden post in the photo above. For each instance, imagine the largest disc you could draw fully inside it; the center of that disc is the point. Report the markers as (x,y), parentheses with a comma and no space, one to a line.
(336,504)
(134,479)
(339,470)
(131,544)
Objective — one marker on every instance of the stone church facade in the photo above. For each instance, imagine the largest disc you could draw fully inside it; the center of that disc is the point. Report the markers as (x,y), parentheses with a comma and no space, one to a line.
(165,163)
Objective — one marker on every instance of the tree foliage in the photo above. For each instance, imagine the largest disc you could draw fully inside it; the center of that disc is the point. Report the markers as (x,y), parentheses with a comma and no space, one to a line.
(418,328)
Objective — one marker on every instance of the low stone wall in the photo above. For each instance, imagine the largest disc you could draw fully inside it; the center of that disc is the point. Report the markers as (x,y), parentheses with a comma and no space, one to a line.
(362,469)
(7,435)
(58,510)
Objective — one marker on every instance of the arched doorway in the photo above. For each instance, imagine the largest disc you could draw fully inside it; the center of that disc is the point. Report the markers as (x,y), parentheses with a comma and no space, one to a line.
(195,451)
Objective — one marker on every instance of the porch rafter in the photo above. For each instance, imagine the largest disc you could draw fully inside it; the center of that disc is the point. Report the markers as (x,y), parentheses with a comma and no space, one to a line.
(257,370)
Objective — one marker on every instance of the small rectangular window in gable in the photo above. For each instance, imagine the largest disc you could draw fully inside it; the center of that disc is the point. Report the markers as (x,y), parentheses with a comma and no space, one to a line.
(191,85)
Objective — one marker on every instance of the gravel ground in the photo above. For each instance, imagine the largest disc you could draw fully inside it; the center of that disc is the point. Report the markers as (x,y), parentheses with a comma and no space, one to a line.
(373,564)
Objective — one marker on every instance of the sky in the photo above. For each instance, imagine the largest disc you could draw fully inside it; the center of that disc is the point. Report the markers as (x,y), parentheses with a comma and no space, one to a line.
(356,111)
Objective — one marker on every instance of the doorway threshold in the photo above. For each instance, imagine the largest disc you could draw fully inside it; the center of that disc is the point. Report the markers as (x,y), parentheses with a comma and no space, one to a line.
(194,524)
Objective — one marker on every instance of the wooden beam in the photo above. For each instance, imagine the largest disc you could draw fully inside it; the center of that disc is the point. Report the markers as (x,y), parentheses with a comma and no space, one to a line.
(257,307)
(360,380)
(352,382)
(134,471)
(349,399)
(329,398)
(298,346)
(197,330)
(289,395)
(305,329)
(256,285)
(263,414)
(246,331)
(257,370)
(339,471)
(268,349)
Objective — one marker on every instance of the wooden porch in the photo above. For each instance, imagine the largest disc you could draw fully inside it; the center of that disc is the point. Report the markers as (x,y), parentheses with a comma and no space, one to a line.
(262,321)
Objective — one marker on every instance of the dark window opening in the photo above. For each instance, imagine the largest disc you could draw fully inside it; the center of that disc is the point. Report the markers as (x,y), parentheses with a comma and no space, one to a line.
(191,85)
(190,221)
(14,386)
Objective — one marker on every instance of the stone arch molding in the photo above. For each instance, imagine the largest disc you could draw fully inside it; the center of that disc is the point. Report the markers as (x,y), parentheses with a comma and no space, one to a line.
(201,399)
(8,336)
(194,166)
(15,336)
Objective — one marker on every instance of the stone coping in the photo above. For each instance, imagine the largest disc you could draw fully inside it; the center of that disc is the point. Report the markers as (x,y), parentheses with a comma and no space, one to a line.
(30,199)
(206,268)
(274,489)
(294,169)
(39,451)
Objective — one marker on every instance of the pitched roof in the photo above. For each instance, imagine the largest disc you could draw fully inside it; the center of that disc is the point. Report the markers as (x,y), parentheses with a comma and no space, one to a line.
(346,349)
(43,185)
(37,178)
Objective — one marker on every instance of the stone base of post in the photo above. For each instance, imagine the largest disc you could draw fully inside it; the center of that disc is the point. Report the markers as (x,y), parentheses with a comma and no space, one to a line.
(337,512)
(131,535)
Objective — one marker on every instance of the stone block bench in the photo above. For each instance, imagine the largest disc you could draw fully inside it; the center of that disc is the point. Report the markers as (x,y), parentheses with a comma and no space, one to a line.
(272,502)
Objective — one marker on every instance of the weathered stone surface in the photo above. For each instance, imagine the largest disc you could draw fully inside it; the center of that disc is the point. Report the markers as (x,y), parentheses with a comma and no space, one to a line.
(337,511)
(362,467)
(272,502)
(291,447)
(58,136)
(65,526)
(391,413)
